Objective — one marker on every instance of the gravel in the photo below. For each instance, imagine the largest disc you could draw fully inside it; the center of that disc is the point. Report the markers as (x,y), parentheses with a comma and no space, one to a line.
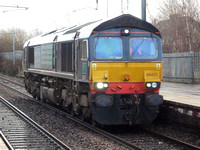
(145,140)
(179,132)
(69,132)
(16,79)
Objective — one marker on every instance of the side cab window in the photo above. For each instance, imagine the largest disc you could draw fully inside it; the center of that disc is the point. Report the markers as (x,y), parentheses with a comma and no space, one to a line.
(84,50)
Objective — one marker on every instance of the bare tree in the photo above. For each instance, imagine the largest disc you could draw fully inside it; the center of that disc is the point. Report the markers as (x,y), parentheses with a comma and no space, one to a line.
(179,24)
(6,45)
(34,33)
(6,38)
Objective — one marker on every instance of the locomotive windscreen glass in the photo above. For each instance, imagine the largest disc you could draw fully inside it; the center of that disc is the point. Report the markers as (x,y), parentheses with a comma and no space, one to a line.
(143,48)
(108,48)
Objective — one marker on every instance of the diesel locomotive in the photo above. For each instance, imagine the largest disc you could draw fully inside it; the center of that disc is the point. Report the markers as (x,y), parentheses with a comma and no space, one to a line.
(108,71)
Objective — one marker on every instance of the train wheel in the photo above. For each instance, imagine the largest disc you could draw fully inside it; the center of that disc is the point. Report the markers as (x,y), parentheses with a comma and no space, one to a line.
(34,95)
(38,98)
(72,113)
(94,123)
(38,93)
(81,116)
(44,100)
(83,113)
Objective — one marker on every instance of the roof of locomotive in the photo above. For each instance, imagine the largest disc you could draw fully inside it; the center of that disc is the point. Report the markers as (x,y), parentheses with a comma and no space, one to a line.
(85,30)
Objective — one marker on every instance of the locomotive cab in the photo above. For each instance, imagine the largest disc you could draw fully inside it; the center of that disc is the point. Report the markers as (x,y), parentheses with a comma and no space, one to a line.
(125,75)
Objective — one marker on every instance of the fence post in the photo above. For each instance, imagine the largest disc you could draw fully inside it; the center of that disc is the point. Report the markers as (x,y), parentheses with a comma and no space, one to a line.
(176,68)
(13,49)
(191,69)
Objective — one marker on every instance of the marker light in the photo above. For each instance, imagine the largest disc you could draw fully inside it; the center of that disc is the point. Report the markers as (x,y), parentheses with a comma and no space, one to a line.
(105,85)
(126,31)
(154,85)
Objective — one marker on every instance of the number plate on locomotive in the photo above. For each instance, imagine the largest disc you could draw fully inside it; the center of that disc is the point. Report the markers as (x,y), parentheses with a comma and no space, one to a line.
(152,74)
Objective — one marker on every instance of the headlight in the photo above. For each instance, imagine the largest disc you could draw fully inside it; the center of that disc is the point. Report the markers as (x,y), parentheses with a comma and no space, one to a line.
(152,85)
(148,85)
(101,85)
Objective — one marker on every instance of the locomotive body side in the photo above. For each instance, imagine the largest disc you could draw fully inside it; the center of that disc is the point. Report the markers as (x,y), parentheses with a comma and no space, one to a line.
(109,73)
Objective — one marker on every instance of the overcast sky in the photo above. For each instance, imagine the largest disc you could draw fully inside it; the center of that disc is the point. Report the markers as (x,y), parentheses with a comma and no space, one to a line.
(47,15)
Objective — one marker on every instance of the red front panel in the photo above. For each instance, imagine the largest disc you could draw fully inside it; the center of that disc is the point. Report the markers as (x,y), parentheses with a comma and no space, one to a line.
(125,88)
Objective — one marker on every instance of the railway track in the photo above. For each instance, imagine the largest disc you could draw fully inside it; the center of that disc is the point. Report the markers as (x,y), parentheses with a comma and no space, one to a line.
(174,140)
(151,139)
(97,130)
(11,81)
(128,142)
(21,132)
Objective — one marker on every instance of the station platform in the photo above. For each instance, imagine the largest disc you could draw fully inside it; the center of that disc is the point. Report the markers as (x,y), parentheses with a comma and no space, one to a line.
(188,94)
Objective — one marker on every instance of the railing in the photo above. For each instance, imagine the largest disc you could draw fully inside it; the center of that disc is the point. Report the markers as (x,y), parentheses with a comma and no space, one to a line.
(181,67)
(9,55)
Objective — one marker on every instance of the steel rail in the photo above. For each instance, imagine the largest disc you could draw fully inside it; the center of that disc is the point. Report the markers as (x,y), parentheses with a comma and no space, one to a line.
(83,123)
(33,123)
(9,80)
(173,139)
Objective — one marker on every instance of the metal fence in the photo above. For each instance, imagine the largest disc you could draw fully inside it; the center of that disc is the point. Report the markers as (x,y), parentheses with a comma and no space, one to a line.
(9,55)
(181,67)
